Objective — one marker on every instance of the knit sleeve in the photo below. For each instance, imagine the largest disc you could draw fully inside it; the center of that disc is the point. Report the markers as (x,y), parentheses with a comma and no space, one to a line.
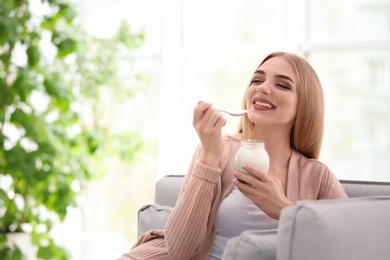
(190,221)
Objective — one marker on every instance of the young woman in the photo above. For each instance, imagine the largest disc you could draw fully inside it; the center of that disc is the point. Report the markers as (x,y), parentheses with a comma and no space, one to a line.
(286,110)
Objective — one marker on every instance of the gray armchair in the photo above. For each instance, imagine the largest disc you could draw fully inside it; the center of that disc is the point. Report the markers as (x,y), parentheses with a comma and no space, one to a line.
(357,228)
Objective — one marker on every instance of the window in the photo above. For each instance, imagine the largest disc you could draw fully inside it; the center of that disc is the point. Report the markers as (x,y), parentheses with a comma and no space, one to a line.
(216,57)
(352,57)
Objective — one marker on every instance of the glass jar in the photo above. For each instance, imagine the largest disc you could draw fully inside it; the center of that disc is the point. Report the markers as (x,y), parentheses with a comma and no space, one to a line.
(252,152)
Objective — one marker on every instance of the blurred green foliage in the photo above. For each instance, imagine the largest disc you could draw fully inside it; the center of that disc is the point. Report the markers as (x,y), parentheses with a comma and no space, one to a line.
(46,152)
(98,63)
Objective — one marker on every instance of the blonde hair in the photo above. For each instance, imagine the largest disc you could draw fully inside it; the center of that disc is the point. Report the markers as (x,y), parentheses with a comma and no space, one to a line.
(307,132)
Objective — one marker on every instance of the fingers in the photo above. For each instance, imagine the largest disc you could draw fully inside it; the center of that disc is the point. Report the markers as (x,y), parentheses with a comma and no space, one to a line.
(257,173)
(242,185)
(200,110)
(253,179)
(248,188)
(244,178)
(218,119)
(204,114)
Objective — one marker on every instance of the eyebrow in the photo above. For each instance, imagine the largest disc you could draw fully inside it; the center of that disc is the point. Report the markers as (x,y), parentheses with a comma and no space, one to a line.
(281,76)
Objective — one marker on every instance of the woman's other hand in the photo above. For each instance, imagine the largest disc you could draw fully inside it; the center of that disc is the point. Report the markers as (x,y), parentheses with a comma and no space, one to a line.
(208,123)
(265,190)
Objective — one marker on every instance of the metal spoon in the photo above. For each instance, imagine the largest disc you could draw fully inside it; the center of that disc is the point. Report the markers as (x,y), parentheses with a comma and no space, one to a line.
(240,113)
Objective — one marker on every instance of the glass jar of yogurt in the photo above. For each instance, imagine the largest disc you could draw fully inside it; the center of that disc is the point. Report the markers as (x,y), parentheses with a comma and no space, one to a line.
(252,152)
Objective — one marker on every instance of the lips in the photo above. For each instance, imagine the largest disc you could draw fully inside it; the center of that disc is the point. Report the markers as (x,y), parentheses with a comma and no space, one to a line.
(260,103)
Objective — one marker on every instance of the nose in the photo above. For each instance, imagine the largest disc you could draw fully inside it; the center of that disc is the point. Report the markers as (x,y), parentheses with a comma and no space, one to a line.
(264,88)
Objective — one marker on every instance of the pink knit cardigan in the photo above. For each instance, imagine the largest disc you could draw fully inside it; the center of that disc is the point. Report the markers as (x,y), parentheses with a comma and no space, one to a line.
(190,230)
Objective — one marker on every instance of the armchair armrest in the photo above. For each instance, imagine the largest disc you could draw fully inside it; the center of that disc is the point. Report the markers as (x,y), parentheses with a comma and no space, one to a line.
(357,228)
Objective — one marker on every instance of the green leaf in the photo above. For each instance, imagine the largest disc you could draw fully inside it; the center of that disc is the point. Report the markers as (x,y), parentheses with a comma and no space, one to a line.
(66,12)
(48,23)
(3,31)
(3,196)
(22,86)
(45,252)
(3,238)
(11,253)
(130,40)
(33,55)
(66,47)
(18,117)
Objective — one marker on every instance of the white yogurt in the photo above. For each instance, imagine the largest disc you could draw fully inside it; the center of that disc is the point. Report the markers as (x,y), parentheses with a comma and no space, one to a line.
(252,152)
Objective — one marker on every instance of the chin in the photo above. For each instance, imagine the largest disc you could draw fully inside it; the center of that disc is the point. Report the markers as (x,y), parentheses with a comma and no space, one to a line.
(257,118)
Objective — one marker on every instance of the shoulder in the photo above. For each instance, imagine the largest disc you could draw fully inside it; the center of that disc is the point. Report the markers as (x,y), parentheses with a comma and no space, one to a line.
(315,172)
(310,169)
(308,164)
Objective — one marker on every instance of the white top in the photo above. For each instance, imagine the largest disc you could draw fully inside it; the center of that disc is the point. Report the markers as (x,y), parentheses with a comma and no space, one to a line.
(236,214)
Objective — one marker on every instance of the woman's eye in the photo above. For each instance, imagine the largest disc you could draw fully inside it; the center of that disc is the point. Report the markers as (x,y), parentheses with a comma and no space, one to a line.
(257,81)
(283,86)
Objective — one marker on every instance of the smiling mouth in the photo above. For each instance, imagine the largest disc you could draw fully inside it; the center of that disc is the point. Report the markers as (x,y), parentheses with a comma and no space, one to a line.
(263,104)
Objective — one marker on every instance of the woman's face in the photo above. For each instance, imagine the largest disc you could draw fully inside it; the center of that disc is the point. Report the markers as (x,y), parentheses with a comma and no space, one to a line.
(271,98)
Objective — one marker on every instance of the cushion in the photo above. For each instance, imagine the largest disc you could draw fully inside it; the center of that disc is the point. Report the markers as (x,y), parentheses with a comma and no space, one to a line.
(357,228)
(152,216)
(252,245)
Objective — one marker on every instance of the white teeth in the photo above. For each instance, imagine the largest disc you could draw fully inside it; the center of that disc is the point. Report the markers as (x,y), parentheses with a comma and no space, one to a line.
(263,104)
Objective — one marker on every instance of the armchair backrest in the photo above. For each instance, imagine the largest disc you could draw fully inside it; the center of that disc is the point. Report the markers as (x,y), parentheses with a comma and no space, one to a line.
(168,188)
